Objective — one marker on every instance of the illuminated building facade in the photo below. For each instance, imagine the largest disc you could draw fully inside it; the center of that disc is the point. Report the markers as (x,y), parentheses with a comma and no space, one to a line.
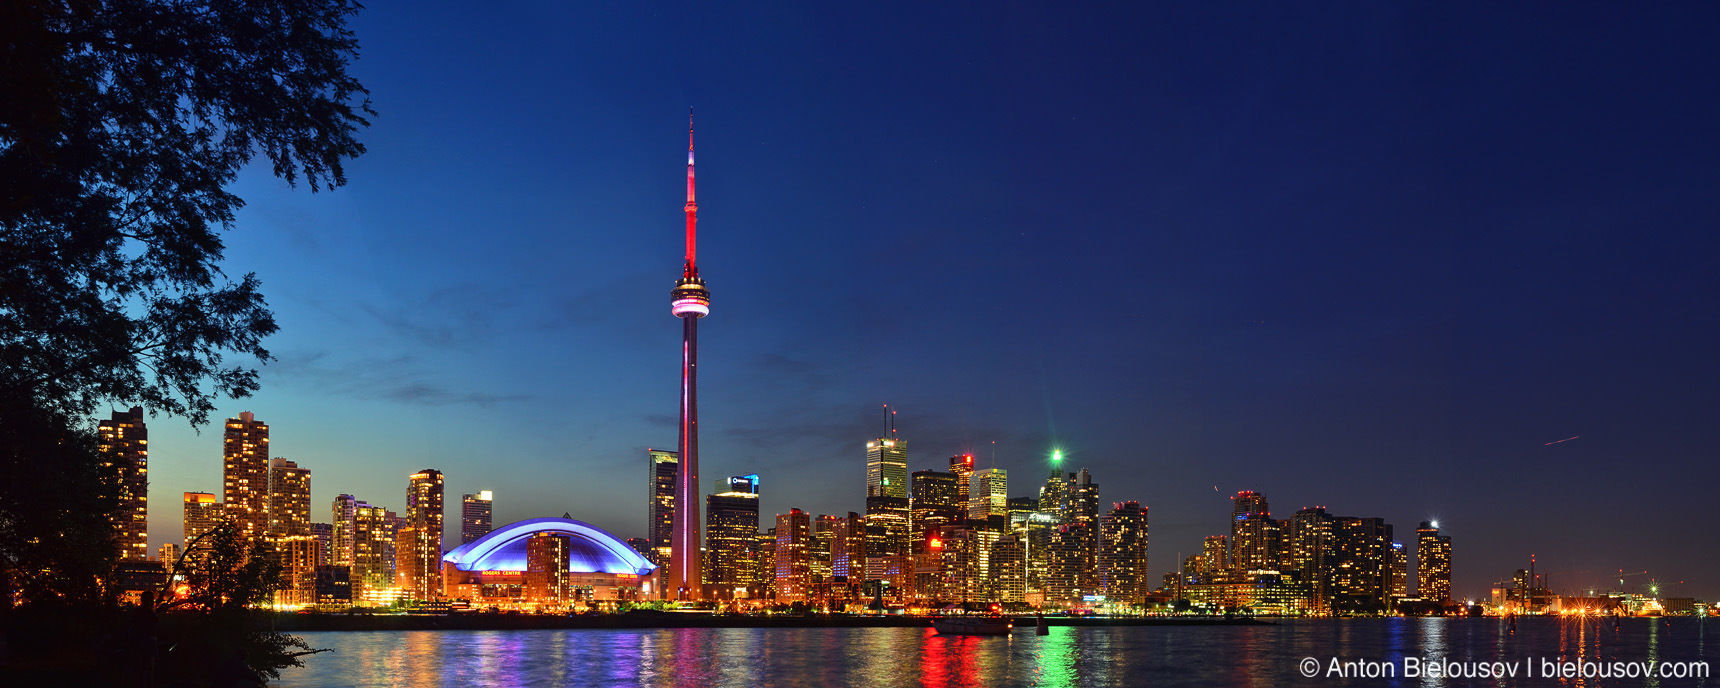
(373,547)
(1054,495)
(1065,577)
(1254,535)
(495,569)
(793,556)
(1360,566)
(961,465)
(823,541)
(245,476)
(1081,508)
(731,538)
(125,446)
(1123,553)
(202,513)
(1269,594)
(1216,554)
(324,533)
(960,560)
(988,495)
(887,467)
(1008,569)
(887,538)
(689,301)
(1399,587)
(1308,536)
(936,501)
(1033,528)
(344,513)
(298,556)
(548,567)
(764,563)
(848,549)
(1432,563)
(289,499)
(663,477)
(475,515)
(419,544)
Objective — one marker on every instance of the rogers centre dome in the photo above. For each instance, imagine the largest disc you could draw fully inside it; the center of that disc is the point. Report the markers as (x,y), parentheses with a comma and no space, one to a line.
(593,549)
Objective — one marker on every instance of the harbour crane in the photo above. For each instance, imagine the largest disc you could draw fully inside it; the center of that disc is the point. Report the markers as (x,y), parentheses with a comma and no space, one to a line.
(1622,575)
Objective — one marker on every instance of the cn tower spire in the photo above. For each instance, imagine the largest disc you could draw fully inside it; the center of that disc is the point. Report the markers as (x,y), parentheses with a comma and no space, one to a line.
(692,208)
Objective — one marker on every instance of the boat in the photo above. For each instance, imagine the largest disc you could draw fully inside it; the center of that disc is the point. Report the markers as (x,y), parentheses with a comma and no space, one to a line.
(973,625)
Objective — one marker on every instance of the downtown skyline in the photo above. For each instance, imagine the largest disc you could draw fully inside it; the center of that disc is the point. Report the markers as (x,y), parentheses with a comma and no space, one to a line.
(1207,283)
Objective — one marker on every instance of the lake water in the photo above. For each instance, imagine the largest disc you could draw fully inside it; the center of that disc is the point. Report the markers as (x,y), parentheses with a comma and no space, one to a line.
(1534,654)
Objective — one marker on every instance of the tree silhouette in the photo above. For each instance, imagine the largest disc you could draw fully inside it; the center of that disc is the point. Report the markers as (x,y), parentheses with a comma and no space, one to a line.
(122,122)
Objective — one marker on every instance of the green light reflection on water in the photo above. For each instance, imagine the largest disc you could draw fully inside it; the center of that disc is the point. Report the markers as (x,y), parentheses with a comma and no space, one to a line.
(1056,657)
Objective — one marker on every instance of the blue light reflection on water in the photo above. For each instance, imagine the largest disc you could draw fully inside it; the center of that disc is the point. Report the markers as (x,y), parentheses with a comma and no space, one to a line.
(1070,656)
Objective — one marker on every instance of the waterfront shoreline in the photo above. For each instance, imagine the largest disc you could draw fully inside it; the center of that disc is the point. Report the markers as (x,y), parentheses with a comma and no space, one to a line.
(291,623)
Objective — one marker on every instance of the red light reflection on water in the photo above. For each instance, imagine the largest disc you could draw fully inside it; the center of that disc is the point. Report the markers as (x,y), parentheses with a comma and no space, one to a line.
(953,660)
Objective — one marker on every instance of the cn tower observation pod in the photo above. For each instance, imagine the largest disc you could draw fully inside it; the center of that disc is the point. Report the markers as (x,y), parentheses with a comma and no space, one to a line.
(592,549)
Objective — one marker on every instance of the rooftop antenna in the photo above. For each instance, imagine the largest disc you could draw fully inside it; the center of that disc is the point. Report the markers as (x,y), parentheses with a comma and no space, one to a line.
(886,420)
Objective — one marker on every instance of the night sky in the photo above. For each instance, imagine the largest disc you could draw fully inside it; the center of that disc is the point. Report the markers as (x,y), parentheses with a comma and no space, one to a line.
(1366,256)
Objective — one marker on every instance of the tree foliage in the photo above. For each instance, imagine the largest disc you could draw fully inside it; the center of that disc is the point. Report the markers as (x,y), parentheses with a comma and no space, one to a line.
(210,626)
(122,124)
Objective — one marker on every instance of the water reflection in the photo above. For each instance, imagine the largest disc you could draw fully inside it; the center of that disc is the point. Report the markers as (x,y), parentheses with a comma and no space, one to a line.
(906,657)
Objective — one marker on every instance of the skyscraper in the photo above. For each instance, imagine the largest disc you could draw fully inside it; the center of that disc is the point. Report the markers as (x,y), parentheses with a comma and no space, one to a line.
(1399,588)
(1432,563)
(689,301)
(373,549)
(1215,553)
(935,501)
(1008,569)
(988,495)
(848,549)
(1254,535)
(548,561)
(887,467)
(1308,537)
(1055,492)
(475,515)
(887,537)
(421,556)
(1082,509)
(1123,553)
(245,476)
(125,444)
(962,466)
(1066,579)
(731,535)
(345,520)
(1360,563)
(793,552)
(289,499)
(297,555)
(324,533)
(662,481)
(202,513)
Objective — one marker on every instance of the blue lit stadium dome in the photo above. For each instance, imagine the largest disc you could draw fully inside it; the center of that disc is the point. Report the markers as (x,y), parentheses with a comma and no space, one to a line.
(593,549)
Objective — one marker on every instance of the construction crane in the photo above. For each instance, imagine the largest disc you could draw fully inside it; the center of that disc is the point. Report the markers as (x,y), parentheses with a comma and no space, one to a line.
(1622,575)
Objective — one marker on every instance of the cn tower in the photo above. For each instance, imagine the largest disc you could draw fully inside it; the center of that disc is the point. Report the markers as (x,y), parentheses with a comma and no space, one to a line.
(689,301)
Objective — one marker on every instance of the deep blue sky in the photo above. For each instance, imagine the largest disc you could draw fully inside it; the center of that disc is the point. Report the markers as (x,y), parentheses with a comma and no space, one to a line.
(1371,257)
